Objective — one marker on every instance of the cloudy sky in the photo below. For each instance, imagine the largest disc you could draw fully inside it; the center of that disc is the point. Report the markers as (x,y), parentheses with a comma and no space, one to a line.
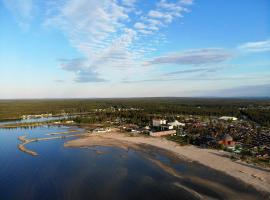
(131,48)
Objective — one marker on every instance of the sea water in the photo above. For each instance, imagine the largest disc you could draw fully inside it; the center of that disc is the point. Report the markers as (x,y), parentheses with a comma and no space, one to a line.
(105,172)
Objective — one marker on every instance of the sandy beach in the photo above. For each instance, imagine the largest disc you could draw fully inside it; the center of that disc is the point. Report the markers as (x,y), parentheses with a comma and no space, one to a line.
(218,160)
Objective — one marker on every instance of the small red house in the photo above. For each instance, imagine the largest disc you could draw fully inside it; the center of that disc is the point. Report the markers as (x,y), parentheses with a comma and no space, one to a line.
(227,141)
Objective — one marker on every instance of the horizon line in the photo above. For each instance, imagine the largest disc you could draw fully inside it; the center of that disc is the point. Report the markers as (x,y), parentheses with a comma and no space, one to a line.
(140,97)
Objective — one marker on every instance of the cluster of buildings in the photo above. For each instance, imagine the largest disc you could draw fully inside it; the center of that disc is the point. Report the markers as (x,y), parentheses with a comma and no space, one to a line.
(226,132)
(115,109)
(36,116)
(233,134)
(160,127)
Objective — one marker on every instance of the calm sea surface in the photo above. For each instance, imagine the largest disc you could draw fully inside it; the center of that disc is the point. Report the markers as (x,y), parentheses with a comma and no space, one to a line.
(105,173)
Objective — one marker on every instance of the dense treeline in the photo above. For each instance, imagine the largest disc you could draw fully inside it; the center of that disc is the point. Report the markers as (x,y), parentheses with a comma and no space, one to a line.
(258,115)
(133,117)
(12,109)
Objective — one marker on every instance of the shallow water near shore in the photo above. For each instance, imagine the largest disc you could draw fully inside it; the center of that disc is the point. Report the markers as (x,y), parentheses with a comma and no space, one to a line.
(106,172)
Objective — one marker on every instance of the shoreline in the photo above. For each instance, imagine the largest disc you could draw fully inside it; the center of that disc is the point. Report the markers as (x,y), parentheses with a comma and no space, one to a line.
(218,160)
(26,141)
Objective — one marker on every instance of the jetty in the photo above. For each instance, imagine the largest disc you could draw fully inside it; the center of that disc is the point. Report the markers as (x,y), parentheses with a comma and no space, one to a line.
(25,141)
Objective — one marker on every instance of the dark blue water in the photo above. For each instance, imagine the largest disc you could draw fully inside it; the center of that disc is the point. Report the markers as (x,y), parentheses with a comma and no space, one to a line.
(105,173)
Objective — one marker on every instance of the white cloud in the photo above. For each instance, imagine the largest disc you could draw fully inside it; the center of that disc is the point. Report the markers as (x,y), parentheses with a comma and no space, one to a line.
(22,10)
(194,57)
(92,27)
(155,14)
(187,2)
(75,64)
(174,7)
(108,38)
(258,46)
(80,67)
(129,3)
(89,21)
(190,71)
(164,13)
(139,25)
(88,75)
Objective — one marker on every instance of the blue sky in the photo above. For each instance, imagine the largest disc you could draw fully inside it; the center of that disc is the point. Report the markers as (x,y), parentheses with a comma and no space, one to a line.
(128,48)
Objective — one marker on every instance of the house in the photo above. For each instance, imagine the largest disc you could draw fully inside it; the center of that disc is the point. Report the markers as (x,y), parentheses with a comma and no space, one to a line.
(170,127)
(227,141)
(162,133)
(146,128)
(158,122)
(176,124)
(69,122)
(227,118)
(101,130)
(130,128)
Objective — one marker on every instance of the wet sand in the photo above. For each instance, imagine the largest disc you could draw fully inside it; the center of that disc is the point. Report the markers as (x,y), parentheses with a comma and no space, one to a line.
(218,160)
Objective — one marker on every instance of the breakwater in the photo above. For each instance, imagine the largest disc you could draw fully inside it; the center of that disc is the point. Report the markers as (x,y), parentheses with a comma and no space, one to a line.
(26,141)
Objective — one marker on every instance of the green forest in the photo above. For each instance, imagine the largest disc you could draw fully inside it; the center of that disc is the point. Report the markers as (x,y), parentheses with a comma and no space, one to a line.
(256,110)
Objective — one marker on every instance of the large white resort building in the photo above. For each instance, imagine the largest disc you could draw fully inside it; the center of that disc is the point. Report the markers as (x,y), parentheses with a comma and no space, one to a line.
(159,122)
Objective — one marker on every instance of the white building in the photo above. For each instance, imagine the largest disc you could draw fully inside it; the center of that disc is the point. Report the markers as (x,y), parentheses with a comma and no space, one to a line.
(226,118)
(70,122)
(101,130)
(147,128)
(176,123)
(162,133)
(158,122)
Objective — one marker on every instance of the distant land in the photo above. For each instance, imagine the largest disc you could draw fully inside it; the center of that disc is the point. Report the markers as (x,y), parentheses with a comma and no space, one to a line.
(254,91)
